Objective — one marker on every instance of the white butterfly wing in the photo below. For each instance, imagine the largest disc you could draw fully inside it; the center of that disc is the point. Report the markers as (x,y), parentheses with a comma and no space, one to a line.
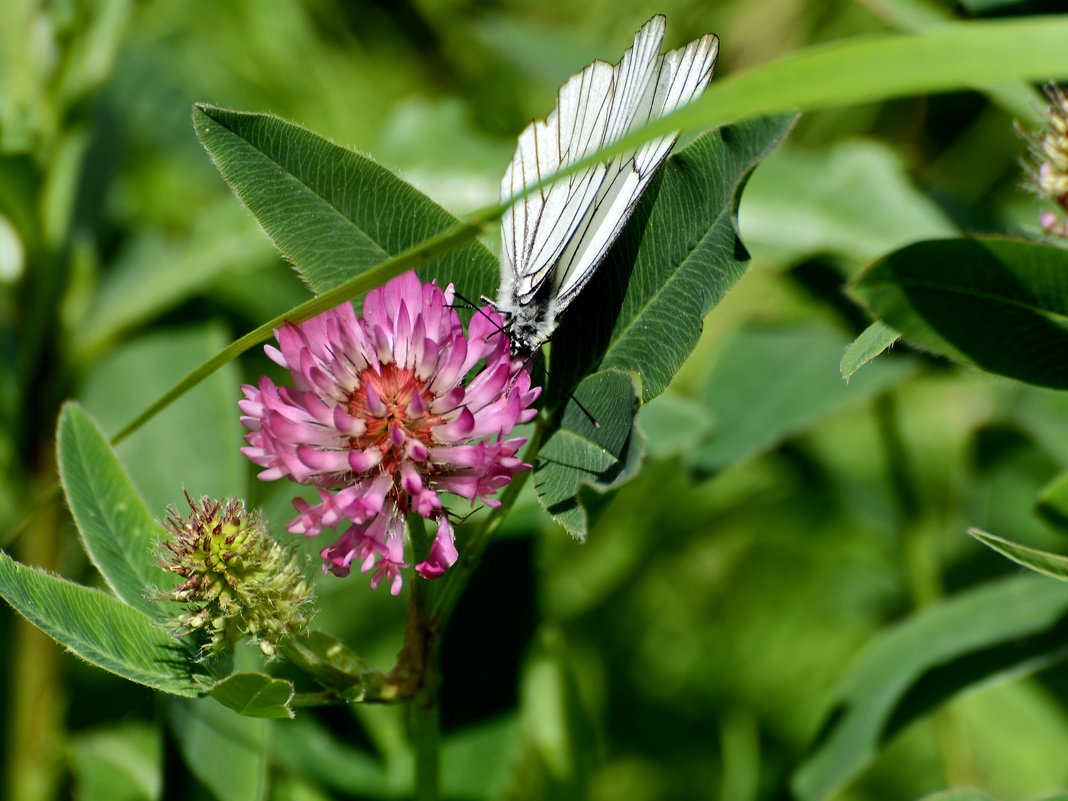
(536,230)
(561,233)
(678,77)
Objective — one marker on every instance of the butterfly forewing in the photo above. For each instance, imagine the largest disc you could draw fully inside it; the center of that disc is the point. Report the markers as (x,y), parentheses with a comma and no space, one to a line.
(593,108)
(678,77)
(554,238)
(537,230)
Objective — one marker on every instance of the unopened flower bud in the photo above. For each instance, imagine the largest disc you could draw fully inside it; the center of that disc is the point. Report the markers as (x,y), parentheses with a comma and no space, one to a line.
(237,581)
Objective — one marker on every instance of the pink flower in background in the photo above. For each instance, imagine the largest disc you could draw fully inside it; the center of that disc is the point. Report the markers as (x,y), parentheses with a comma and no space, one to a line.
(1049,172)
(379,419)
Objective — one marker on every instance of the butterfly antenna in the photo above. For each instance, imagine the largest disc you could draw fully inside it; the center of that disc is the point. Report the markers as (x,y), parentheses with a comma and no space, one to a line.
(585,411)
(571,395)
(459,519)
(529,359)
(478,310)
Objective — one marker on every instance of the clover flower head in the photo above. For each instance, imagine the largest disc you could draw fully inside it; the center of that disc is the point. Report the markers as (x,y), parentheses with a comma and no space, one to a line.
(237,580)
(381,421)
(1048,175)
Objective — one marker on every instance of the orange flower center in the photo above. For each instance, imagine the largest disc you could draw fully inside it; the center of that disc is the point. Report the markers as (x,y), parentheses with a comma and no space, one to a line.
(395,387)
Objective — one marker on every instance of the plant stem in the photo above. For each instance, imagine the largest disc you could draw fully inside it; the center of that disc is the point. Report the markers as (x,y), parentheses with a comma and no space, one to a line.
(426,742)
(36,687)
(460,573)
(417,666)
(416,674)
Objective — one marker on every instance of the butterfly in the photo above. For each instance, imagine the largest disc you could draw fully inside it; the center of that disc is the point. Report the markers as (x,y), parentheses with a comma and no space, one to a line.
(554,238)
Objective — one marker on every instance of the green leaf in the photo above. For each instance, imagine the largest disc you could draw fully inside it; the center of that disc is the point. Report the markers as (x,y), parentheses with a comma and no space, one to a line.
(121,764)
(581,462)
(994,632)
(1048,564)
(116,529)
(998,304)
(555,725)
(227,752)
(255,695)
(674,261)
(1053,502)
(154,274)
(957,795)
(100,629)
(478,761)
(331,211)
(872,341)
(865,69)
(769,383)
(641,313)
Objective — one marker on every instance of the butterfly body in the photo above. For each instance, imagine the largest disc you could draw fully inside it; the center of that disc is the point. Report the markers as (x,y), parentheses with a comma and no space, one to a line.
(554,238)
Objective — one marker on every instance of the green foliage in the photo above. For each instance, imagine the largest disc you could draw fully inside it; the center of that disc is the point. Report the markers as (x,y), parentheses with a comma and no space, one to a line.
(190,446)
(256,695)
(990,634)
(946,57)
(642,314)
(769,383)
(876,338)
(850,198)
(99,628)
(122,764)
(331,211)
(118,533)
(585,452)
(1048,564)
(774,588)
(995,303)
(642,311)
(1053,502)
(305,749)
(225,751)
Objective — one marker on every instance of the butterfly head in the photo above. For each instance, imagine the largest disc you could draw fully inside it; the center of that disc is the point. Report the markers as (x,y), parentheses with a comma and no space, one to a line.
(527,325)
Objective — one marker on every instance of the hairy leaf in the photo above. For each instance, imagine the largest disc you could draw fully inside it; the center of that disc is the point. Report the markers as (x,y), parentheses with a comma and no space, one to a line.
(117,530)
(99,628)
(331,211)
(255,695)
(876,338)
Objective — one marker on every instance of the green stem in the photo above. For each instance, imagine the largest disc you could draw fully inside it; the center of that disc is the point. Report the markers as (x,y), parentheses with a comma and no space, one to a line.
(426,742)
(37,692)
(460,573)
(424,724)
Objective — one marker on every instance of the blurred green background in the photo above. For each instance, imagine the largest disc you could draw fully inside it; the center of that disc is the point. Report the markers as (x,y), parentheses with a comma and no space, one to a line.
(783,520)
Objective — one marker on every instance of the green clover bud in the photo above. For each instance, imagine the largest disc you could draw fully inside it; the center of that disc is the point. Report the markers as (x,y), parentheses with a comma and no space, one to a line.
(237,580)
